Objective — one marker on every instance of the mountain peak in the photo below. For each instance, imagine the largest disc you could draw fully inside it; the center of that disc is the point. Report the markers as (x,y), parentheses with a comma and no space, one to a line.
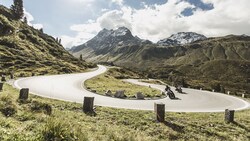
(107,39)
(121,31)
(122,28)
(181,38)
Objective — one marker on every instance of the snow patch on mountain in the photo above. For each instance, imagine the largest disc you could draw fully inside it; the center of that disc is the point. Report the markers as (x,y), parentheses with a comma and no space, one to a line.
(181,38)
(121,31)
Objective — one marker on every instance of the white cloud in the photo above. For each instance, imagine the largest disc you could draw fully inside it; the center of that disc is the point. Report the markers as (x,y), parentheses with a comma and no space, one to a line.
(30,20)
(90,27)
(227,17)
(84,33)
(104,10)
(118,2)
(160,21)
(68,41)
(113,19)
(37,26)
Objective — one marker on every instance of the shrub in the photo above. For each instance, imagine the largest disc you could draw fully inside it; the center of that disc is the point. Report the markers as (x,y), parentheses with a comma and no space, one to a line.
(9,110)
(8,43)
(41,107)
(22,36)
(216,87)
(66,70)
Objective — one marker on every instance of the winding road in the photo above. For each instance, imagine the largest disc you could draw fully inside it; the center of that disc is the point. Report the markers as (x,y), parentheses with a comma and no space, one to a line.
(69,87)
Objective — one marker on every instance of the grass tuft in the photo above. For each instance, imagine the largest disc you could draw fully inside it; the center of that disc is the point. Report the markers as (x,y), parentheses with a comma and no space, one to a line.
(37,106)
(55,131)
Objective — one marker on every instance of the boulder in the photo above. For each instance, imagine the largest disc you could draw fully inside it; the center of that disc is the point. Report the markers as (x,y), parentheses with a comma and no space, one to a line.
(163,93)
(108,93)
(120,94)
(139,95)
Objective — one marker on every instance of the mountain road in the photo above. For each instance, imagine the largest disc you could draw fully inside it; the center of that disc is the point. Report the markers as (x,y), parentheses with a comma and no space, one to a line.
(69,87)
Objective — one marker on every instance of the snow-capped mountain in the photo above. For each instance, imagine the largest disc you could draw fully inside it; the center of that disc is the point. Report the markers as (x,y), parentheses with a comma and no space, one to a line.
(108,39)
(121,31)
(181,38)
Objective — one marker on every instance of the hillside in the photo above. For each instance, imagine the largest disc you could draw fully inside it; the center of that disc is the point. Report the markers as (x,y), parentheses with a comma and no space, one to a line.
(25,50)
(221,61)
(204,63)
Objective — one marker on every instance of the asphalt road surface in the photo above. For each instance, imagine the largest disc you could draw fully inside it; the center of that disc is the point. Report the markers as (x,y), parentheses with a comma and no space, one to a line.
(69,87)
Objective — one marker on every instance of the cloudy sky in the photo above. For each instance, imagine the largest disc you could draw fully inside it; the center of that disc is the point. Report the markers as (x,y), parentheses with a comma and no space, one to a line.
(77,21)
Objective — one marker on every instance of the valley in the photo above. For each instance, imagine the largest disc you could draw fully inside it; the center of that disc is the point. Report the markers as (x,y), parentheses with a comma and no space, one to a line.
(201,63)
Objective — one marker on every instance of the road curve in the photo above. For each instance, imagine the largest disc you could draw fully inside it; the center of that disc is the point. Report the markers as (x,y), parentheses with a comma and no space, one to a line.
(68,87)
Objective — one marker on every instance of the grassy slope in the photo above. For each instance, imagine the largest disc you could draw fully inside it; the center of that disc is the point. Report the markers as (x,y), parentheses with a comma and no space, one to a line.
(68,122)
(111,80)
(25,50)
(232,75)
(222,60)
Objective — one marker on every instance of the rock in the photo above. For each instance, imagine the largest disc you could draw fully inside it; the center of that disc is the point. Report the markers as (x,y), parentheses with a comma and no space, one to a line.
(93,91)
(139,95)
(108,93)
(120,94)
(163,93)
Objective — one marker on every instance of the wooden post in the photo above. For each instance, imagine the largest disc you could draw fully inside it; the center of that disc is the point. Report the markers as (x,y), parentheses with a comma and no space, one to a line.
(212,90)
(24,94)
(3,79)
(228,92)
(229,116)
(243,95)
(88,104)
(159,109)
(11,76)
(1,86)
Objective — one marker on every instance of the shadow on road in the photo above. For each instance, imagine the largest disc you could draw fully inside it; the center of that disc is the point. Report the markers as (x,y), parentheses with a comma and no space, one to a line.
(176,98)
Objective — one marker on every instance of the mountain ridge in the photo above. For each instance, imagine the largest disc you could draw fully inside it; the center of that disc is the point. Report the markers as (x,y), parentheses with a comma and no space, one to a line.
(181,38)
(109,39)
(189,61)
